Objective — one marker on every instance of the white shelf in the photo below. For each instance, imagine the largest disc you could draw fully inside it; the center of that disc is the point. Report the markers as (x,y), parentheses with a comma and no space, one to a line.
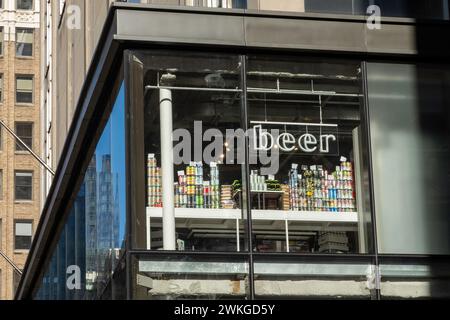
(229,214)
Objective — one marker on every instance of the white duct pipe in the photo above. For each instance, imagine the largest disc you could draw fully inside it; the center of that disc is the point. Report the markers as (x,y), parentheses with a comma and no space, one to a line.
(168,218)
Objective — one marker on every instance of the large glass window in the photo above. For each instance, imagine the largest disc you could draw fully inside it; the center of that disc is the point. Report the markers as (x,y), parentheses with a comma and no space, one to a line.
(306,156)
(410,131)
(193,192)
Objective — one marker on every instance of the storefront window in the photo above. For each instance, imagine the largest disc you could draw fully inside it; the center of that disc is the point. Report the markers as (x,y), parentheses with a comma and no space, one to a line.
(191,199)
(305,156)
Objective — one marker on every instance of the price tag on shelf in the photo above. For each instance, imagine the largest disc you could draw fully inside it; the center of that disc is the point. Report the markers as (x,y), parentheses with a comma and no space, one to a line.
(151,155)
(181,173)
(294,166)
(343,159)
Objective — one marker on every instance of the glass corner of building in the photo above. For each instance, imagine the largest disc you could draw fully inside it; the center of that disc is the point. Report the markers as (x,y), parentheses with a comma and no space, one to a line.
(262,176)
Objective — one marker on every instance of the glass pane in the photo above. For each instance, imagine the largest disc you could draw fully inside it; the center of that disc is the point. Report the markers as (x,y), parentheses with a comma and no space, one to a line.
(23,229)
(24,4)
(434,9)
(197,99)
(187,277)
(403,278)
(305,278)
(22,242)
(306,156)
(409,121)
(93,239)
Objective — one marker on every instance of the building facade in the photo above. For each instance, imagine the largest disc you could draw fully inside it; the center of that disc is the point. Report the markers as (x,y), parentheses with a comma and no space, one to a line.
(247,149)
(20,198)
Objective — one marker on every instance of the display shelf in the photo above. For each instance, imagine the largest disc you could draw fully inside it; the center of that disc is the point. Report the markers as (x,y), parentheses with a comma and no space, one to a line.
(229,214)
(228,221)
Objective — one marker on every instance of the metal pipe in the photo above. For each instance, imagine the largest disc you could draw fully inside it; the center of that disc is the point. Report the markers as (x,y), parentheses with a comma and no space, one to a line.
(259,90)
(165,110)
(296,123)
(42,162)
(148,87)
(11,262)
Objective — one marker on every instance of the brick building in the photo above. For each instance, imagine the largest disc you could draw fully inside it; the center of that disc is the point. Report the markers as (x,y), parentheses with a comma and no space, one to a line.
(20,191)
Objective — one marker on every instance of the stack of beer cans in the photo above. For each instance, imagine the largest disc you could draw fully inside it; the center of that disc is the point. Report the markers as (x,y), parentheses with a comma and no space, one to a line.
(191,191)
(317,190)
(215,185)
(154,198)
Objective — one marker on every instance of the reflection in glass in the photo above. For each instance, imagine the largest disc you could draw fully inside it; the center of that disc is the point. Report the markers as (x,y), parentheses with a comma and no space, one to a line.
(92,240)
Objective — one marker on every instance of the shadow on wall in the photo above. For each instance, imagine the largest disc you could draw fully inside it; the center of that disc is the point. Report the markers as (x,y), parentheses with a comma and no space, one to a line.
(433,106)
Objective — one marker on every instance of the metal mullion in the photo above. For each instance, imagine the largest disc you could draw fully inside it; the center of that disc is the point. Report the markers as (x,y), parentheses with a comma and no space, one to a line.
(366,121)
(246,178)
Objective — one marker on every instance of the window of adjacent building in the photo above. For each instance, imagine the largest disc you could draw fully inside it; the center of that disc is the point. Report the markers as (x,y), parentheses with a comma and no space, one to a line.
(24,42)
(24,130)
(24,4)
(16,281)
(23,232)
(23,182)
(1,41)
(1,188)
(24,89)
(1,87)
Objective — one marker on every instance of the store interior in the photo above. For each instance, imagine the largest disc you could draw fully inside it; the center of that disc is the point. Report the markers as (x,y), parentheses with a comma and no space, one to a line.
(303,193)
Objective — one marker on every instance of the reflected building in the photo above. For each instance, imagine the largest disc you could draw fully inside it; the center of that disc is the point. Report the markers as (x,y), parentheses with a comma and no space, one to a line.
(90,183)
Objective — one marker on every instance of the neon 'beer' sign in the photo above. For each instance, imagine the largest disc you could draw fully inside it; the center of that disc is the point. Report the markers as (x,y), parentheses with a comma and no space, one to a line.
(265,140)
